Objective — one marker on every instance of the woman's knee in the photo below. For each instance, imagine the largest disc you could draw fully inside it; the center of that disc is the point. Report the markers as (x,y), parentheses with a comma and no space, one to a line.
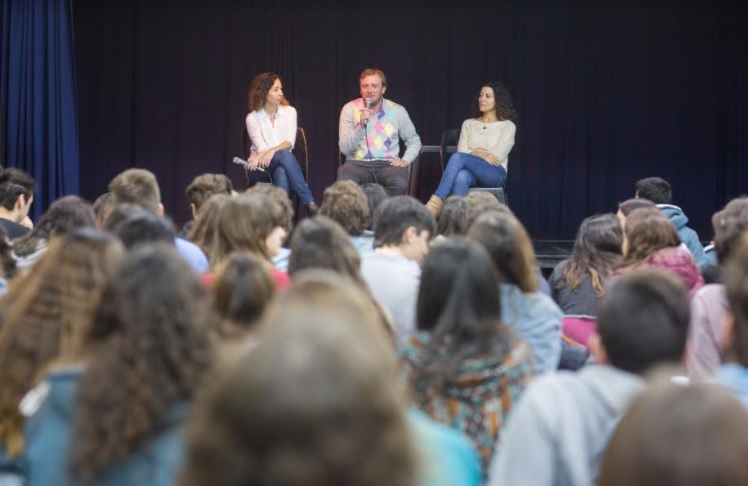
(464,178)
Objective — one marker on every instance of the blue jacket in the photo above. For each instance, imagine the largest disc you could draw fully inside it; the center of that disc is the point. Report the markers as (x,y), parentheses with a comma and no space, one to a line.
(537,320)
(687,235)
(47,434)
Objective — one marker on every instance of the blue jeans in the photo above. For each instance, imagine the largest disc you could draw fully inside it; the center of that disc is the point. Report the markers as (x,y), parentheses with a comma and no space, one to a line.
(465,171)
(287,175)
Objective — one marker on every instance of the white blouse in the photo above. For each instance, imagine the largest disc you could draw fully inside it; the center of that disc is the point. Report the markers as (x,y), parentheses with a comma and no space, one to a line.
(264,134)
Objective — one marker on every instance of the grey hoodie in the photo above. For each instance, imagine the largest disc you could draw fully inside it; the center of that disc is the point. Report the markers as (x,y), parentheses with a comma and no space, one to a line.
(558,430)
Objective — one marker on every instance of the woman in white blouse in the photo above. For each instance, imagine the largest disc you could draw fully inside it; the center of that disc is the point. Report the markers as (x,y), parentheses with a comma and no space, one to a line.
(271,124)
(483,150)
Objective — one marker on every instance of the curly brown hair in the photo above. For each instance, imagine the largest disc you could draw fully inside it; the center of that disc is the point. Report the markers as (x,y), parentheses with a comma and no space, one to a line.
(258,91)
(504,105)
(149,351)
(346,203)
(280,196)
(48,312)
(62,216)
(331,413)
(647,230)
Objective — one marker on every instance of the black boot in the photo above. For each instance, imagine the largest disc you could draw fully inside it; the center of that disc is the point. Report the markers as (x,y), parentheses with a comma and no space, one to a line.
(311,209)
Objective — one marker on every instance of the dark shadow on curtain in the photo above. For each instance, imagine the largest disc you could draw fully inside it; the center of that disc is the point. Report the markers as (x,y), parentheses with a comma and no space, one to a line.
(37,89)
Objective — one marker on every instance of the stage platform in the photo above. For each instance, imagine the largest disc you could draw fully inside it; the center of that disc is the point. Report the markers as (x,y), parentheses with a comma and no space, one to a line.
(549,253)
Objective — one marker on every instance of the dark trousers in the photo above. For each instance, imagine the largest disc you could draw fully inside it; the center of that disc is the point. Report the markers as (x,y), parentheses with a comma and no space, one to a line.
(393,179)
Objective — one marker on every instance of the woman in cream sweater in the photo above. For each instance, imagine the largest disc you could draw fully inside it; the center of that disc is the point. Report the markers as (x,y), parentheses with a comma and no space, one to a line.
(483,149)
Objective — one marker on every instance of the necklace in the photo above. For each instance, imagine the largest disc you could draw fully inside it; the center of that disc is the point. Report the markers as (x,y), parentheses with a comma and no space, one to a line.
(485,122)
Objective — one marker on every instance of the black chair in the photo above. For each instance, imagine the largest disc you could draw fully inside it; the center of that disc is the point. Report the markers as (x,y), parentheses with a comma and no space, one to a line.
(448,146)
(414,169)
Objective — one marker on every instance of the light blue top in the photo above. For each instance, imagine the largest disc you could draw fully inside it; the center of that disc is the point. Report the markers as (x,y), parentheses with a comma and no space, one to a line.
(193,255)
(735,378)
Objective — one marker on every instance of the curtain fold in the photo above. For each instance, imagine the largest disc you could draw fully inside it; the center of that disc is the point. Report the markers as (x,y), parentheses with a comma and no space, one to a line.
(38,93)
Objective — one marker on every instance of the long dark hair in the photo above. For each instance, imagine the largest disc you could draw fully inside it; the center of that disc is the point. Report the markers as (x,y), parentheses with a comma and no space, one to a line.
(63,216)
(596,253)
(458,304)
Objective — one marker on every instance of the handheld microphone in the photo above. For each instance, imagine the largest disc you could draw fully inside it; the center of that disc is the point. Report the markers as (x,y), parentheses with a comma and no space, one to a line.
(240,161)
(367,103)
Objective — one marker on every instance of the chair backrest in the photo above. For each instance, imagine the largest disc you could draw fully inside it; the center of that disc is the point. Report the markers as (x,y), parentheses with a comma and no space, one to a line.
(448,145)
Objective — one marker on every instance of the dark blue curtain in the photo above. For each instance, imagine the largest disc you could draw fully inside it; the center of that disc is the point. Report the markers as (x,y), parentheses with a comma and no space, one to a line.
(37,89)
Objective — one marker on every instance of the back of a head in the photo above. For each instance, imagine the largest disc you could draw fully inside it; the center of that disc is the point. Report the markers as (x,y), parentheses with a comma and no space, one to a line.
(62,216)
(453,217)
(280,197)
(597,251)
(204,186)
(482,202)
(395,215)
(656,189)
(735,276)
(241,292)
(458,297)
(643,320)
(315,402)
(375,195)
(733,223)
(136,186)
(346,203)
(634,203)
(320,242)
(244,223)
(149,350)
(203,231)
(647,230)
(675,435)
(145,227)
(13,183)
(508,243)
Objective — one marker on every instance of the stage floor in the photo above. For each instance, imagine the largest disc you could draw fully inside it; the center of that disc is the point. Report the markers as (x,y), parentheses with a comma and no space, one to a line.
(549,253)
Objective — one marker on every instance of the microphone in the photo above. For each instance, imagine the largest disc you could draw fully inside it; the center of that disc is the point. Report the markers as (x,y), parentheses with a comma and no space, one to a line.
(240,161)
(367,102)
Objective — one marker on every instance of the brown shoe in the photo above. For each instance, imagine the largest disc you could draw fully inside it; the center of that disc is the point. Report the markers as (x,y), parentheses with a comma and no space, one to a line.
(434,205)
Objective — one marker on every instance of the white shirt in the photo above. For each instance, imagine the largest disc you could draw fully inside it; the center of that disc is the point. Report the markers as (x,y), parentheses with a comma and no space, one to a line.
(264,135)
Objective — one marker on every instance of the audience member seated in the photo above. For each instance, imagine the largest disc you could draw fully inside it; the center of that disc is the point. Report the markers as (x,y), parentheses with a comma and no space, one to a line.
(710,270)
(252,223)
(534,315)
(17,189)
(733,375)
(45,316)
(140,187)
(200,190)
(7,262)
(314,402)
(483,202)
(114,415)
(375,195)
(144,227)
(402,228)
(280,197)
(659,192)
(626,207)
(578,282)
(464,368)
(243,289)
(650,240)
(346,203)
(709,305)
(62,216)
(452,219)
(562,423)
(203,231)
(679,436)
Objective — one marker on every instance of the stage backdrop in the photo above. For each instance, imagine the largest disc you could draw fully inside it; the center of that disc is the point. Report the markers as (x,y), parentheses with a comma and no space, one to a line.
(606,95)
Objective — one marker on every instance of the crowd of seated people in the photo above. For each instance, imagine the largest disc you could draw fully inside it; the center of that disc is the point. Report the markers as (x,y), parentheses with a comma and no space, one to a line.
(372,343)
